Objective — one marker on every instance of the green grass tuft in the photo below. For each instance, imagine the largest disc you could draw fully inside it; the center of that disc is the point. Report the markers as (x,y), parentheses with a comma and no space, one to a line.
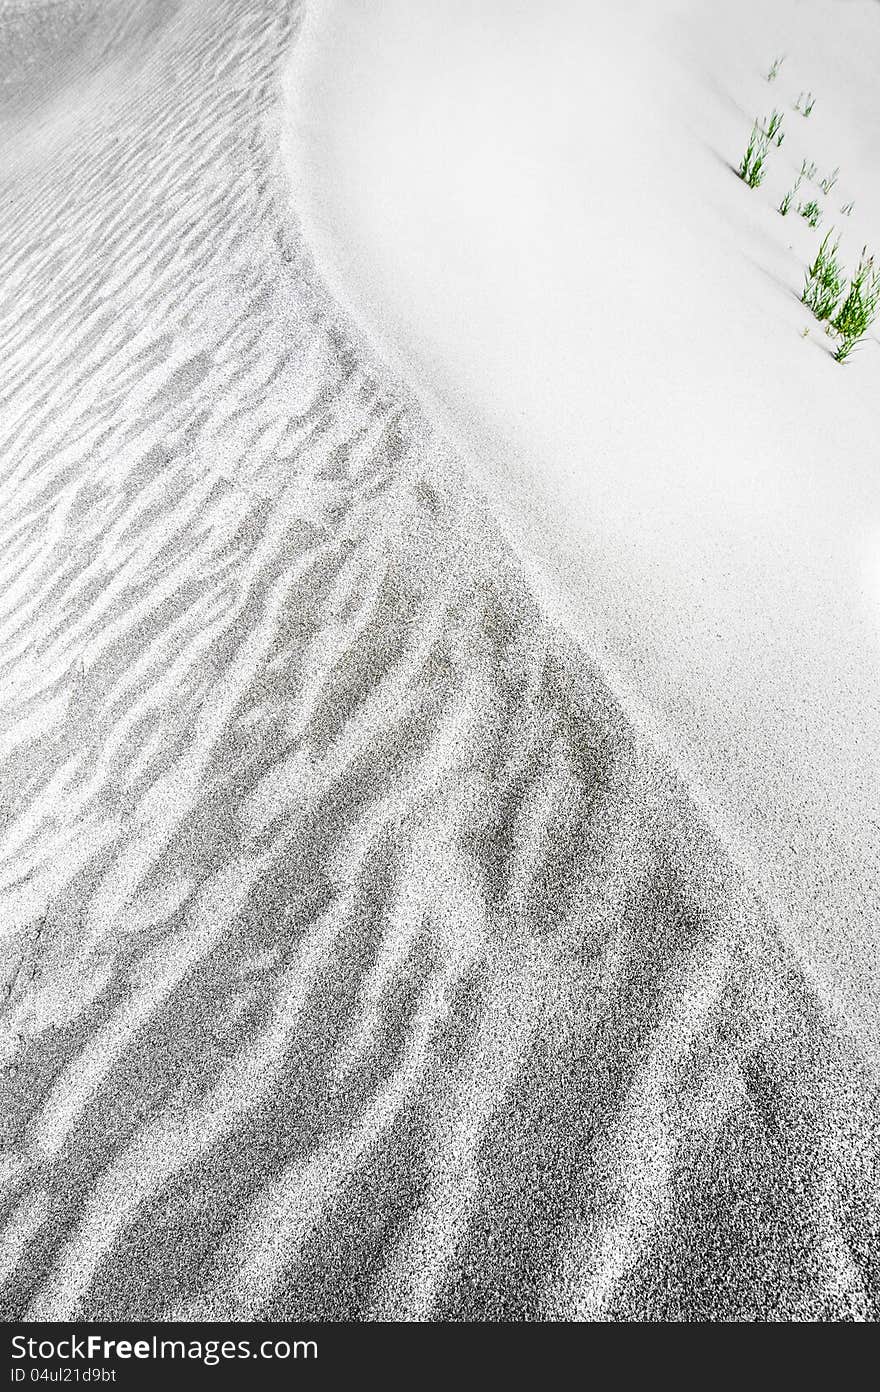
(751,169)
(859,309)
(824,281)
(805,103)
(774,69)
(808,171)
(772,125)
(827,184)
(811,211)
(847,208)
(785,205)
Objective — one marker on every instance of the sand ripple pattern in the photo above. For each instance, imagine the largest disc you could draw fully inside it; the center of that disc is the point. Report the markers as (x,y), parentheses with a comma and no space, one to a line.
(359,960)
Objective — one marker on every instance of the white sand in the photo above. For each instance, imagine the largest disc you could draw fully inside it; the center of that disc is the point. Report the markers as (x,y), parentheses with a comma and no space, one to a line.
(362,958)
(531,206)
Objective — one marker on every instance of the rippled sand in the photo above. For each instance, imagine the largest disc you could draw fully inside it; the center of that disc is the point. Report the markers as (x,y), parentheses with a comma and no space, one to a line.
(360,959)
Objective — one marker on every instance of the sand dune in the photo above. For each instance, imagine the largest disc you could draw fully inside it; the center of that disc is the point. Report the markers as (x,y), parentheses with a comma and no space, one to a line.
(361,958)
(535,206)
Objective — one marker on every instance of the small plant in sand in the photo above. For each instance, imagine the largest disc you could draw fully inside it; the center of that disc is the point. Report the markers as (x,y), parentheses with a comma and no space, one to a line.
(847,209)
(773,72)
(772,127)
(811,211)
(785,205)
(859,308)
(808,171)
(824,281)
(751,169)
(805,103)
(827,184)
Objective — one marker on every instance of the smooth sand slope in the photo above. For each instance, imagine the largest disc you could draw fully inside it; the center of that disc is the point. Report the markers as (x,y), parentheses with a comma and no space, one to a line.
(360,958)
(533,205)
